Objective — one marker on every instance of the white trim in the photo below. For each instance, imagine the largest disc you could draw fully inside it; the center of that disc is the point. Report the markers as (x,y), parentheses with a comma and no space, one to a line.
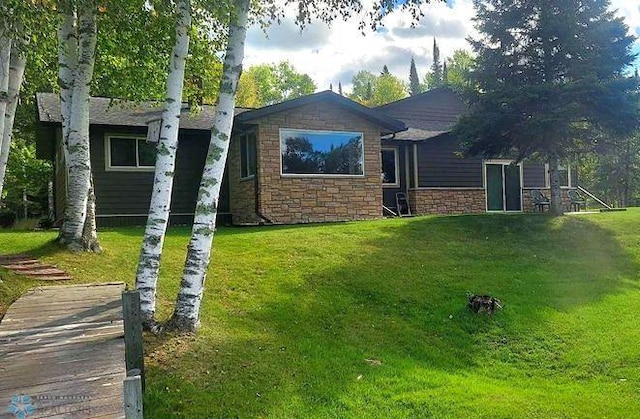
(416,183)
(446,188)
(396,157)
(303,176)
(244,137)
(321,175)
(406,169)
(107,154)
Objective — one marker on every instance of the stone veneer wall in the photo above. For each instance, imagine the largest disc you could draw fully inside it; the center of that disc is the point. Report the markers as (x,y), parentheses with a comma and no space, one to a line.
(527,201)
(309,199)
(447,201)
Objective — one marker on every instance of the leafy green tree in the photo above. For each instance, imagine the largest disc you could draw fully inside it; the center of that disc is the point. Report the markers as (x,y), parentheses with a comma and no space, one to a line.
(388,88)
(372,90)
(550,78)
(363,83)
(272,83)
(458,68)
(414,81)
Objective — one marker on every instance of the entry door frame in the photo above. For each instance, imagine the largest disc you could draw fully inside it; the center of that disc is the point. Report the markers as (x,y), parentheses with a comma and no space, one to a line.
(503,163)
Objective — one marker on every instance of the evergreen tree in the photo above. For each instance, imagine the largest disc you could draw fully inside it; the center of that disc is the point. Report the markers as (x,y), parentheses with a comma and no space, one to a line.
(436,67)
(414,82)
(385,71)
(445,74)
(549,79)
(340,88)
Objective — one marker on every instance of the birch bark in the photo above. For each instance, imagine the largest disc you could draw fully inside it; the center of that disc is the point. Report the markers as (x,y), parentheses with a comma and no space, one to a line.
(187,310)
(5,57)
(17,65)
(72,233)
(158,218)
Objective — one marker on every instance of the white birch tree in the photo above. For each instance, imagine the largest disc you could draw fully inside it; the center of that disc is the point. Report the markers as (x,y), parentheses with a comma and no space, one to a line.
(159,208)
(17,63)
(187,310)
(5,57)
(77,36)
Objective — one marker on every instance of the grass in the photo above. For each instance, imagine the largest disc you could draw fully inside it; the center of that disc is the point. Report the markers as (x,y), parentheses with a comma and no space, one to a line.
(368,319)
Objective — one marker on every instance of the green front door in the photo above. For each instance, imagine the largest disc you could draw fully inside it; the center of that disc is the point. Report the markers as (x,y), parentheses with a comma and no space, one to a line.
(504,190)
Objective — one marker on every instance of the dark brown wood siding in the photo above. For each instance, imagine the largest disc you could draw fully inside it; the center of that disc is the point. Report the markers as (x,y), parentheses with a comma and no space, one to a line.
(128,193)
(439,165)
(534,175)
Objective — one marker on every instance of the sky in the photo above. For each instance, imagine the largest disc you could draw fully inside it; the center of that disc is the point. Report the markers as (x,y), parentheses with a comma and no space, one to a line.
(334,54)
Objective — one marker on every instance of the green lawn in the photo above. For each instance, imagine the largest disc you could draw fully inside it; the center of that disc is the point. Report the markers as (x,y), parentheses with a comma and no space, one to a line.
(369,320)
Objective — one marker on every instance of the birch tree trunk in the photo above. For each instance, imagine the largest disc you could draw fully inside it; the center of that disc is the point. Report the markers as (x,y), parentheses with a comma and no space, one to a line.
(72,233)
(187,310)
(16,75)
(5,57)
(554,183)
(158,218)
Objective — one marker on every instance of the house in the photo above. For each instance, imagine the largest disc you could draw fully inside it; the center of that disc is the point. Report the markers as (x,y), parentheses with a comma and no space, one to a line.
(311,159)
(318,158)
(425,163)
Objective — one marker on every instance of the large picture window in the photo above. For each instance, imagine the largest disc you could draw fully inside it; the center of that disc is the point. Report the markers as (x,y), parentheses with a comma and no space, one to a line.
(129,153)
(334,153)
(248,155)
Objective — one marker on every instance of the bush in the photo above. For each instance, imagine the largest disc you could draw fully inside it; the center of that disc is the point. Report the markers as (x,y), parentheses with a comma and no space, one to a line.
(45,223)
(7,217)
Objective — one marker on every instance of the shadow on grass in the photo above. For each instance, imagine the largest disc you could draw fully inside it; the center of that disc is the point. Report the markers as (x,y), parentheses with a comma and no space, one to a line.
(344,323)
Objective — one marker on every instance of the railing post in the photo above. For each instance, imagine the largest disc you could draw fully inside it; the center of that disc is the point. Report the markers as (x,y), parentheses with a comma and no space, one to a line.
(134,355)
(132,389)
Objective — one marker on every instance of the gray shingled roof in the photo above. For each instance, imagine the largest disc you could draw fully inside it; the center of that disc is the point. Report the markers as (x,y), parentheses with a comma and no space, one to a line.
(105,111)
(428,114)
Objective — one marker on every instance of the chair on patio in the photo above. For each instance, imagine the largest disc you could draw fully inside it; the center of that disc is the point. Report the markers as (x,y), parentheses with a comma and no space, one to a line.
(539,201)
(576,200)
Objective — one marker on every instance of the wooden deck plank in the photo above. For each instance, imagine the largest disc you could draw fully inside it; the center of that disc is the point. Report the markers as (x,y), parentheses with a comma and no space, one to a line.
(63,346)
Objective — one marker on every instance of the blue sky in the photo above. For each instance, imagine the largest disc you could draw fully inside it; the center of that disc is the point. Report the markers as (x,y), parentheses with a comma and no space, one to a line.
(334,54)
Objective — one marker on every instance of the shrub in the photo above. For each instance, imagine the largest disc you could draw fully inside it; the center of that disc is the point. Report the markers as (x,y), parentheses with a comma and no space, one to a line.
(7,217)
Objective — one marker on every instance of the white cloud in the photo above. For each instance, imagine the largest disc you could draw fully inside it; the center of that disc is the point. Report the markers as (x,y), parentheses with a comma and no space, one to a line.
(333,54)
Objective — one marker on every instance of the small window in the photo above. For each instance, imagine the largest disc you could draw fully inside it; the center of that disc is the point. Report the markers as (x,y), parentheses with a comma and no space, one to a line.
(248,155)
(130,153)
(323,153)
(389,173)
(564,172)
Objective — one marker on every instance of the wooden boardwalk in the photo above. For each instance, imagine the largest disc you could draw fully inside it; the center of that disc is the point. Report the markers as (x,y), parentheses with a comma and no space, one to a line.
(62,353)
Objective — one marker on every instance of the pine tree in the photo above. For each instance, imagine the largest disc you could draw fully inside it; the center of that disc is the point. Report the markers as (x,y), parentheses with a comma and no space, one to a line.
(436,67)
(445,74)
(331,86)
(414,82)
(551,99)
(340,88)
(385,71)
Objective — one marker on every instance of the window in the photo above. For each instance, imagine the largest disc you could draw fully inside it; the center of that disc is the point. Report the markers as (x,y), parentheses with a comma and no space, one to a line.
(130,153)
(389,173)
(332,153)
(247,155)
(564,172)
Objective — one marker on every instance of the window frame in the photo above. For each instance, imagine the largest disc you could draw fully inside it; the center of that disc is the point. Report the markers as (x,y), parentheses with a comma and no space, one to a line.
(137,168)
(322,175)
(396,156)
(244,139)
(565,167)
